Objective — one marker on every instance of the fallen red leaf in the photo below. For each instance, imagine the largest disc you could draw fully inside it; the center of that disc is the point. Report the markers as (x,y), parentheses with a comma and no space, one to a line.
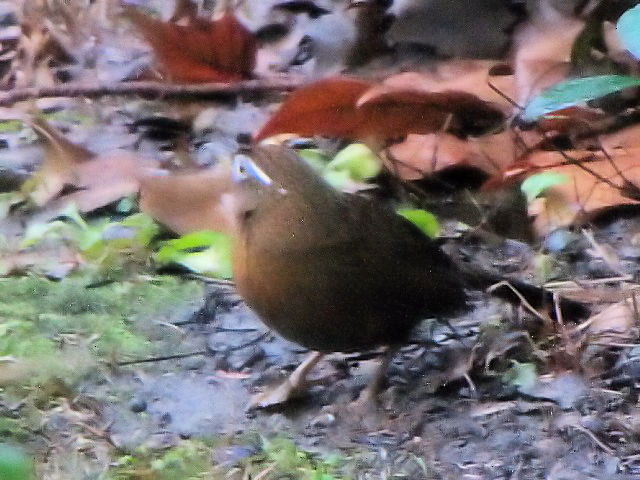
(397,112)
(357,110)
(326,107)
(219,51)
(569,120)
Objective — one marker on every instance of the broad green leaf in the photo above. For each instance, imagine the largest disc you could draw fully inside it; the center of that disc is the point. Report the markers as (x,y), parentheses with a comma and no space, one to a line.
(204,252)
(212,262)
(628,29)
(521,375)
(358,160)
(315,158)
(338,179)
(90,237)
(573,92)
(190,241)
(539,182)
(422,219)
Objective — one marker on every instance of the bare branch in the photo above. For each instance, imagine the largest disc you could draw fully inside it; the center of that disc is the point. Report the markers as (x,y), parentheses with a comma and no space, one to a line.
(155,90)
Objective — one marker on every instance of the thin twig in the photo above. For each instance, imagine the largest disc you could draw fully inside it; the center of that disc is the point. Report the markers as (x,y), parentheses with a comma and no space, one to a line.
(595,439)
(160,359)
(157,90)
(525,303)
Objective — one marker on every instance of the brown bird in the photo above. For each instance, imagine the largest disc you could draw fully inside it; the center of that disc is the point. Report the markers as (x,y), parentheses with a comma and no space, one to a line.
(335,272)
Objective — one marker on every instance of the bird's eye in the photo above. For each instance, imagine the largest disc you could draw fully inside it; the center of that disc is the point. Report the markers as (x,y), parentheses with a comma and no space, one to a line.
(244,168)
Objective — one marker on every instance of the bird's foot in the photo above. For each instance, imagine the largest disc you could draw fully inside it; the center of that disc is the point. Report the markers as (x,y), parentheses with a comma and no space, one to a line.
(279,395)
(292,387)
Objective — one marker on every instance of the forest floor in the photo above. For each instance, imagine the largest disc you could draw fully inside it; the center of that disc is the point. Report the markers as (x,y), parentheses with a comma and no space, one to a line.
(456,405)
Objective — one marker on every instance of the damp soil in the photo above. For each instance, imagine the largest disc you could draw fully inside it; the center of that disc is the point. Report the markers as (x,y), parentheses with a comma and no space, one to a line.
(447,412)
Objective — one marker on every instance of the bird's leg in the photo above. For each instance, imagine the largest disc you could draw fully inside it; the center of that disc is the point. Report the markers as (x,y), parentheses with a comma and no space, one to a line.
(292,387)
(371,391)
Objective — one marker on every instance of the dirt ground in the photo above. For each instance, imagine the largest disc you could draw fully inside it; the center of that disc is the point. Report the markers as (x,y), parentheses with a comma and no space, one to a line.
(447,412)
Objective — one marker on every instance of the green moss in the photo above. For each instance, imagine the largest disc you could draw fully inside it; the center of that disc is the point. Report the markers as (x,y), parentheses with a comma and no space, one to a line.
(62,330)
(189,461)
(13,429)
(286,459)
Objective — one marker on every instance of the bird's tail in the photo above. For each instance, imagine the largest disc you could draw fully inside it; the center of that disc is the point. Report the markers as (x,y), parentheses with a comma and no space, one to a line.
(516,292)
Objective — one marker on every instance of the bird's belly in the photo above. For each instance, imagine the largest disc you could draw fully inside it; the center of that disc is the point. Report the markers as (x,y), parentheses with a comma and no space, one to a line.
(313,306)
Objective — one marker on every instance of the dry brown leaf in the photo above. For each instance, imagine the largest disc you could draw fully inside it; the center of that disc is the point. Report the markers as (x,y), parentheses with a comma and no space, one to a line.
(615,322)
(628,137)
(187,202)
(107,178)
(100,179)
(219,51)
(56,262)
(61,158)
(391,112)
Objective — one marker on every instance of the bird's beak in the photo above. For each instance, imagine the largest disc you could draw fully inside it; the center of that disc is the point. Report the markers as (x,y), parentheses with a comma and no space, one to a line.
(244,168)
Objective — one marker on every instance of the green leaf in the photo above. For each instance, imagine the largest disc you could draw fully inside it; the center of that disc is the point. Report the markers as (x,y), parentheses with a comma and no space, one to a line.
(37,231)
(146,228)
(628,29)
(126,205)
(358,160)
(539,182)
(89,238)
(338,179)
(314,157)
(521,375)
(572,92)
(204,252)
(71,212)
(10,126)
(422,219)
(14,464)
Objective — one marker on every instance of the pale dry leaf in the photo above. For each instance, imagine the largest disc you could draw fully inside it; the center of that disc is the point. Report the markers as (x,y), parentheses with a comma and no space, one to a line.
(421,155)
(107,178)
(592,183)
(189,201)
(470,76)
(542,54)
(615,322)
(625,138)
(100,179)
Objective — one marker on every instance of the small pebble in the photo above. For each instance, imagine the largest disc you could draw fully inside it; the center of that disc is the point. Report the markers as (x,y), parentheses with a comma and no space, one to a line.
(137,405)
(323,421)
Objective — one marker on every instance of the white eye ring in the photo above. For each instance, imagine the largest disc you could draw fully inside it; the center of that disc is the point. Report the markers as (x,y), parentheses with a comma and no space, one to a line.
(244,168)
